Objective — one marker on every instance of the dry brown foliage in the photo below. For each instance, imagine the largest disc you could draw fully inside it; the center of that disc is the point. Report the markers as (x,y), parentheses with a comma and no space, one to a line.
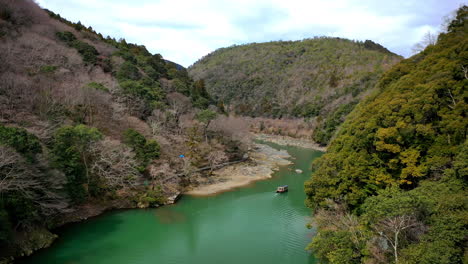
(115,164)
(235,128)
(297,128)
(16,175)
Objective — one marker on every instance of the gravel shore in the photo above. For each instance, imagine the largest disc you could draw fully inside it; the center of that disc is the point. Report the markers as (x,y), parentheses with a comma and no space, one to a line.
(264,160)
(290,141)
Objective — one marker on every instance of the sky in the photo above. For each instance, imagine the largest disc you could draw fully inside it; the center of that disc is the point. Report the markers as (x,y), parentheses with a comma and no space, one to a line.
(185,31)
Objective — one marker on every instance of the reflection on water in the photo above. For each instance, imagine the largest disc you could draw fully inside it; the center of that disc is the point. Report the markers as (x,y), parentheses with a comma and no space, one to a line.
(166,215)
(248,225)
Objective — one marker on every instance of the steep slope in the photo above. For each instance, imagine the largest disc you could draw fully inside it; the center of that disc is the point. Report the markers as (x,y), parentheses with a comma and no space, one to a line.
(322,77)
(394,179)
(89,123)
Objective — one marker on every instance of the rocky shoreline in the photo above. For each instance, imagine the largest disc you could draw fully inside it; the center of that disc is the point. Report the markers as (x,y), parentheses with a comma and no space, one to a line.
(290,141)
(264,160)
(262,163)
(41,238)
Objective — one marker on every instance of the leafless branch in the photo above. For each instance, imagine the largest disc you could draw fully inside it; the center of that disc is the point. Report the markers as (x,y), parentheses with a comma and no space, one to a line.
(453,100)
(391,229)
(114,163)
(465,71)
(16,175)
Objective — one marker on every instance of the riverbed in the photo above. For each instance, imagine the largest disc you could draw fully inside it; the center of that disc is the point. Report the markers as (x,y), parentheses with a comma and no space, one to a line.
(251,224)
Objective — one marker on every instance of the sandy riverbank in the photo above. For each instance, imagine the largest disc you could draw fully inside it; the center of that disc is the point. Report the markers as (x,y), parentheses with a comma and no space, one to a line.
(264,161)
(290,141)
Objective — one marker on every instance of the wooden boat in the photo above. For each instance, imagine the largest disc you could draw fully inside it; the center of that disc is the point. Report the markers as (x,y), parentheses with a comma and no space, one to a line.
(282,189)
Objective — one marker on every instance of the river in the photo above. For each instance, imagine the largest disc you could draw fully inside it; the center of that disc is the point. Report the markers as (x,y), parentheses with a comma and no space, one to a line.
(251,224)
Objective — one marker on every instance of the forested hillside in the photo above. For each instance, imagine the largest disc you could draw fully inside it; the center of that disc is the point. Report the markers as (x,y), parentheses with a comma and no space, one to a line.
(318,79)
(89,123)
(392,187)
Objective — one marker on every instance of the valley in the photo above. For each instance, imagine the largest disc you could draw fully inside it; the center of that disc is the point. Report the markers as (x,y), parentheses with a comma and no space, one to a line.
(108,147)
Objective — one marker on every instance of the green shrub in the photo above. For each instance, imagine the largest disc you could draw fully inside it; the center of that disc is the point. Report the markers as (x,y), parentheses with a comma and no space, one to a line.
(98,86)
(198,90)
(66,37)
(200,102)
(180,86)
(153,74)
(206,116)
(311,109)
(126,55)
(128,71)
(47,68)
(87,51)
(150,198)
(145,150)
(150,91)
(335,246)
(21,140)
(70,151)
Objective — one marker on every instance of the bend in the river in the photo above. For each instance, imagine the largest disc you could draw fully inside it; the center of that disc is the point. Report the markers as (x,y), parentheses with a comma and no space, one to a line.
(252,224)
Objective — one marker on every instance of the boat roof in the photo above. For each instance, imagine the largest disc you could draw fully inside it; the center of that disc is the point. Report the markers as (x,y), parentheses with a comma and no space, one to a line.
(283,186)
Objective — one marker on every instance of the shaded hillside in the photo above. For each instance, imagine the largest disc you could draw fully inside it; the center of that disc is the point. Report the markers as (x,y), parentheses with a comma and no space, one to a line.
(89,123)
(392,187)
(322,77)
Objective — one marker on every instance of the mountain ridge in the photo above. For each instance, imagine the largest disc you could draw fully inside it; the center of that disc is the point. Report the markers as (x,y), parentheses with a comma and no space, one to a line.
(307,79)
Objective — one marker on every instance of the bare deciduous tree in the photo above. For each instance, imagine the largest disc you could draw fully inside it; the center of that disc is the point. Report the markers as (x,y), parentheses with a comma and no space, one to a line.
(179,103)
(188,168)
(161,171)
(114,163)
(337,217)
(161,175)
(18,176)
(14,175)
(216,158)
(161,120)
(465,71)
(392,228)
(427,40)
(234,128)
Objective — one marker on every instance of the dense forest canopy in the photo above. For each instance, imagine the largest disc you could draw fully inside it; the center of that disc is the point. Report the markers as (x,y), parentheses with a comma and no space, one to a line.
(395,177)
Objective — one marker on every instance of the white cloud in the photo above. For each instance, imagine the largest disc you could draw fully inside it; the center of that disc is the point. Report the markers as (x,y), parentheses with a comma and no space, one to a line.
(184,31)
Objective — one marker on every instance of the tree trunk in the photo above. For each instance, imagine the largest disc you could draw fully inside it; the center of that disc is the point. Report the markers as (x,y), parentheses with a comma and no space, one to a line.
(87,173)
(395,248)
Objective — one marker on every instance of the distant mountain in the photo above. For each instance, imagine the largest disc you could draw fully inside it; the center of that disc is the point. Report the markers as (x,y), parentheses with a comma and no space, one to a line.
(321,77)
(177,66)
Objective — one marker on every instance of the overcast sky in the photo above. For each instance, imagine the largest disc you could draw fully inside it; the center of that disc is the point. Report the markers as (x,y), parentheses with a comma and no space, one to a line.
(184,31)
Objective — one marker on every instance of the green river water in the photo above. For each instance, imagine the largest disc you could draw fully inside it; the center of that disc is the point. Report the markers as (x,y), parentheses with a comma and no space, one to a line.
(251,224)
